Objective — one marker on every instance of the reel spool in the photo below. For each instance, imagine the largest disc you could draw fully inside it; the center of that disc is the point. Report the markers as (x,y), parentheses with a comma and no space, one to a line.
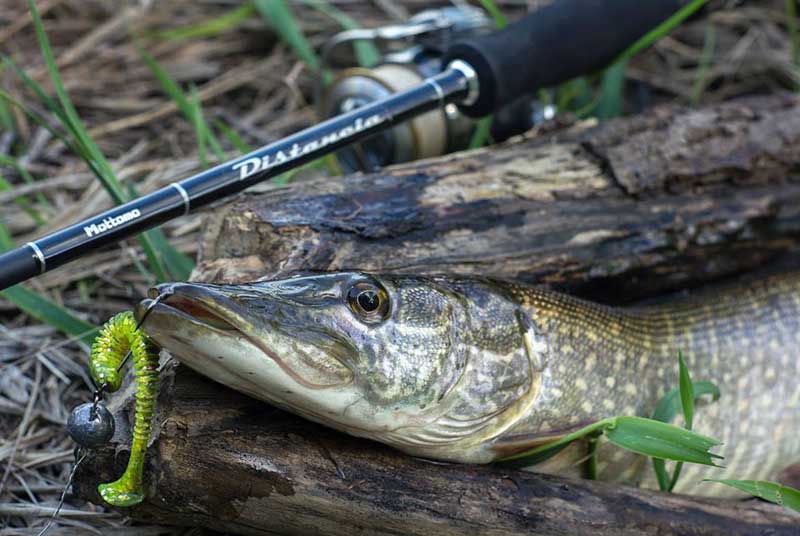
(430,134)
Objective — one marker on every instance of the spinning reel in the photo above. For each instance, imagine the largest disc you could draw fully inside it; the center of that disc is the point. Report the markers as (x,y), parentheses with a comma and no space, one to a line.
(410,53)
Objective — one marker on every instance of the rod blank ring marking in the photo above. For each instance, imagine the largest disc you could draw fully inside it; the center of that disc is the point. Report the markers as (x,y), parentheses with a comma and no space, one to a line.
(438,89)
(184,195)
(39,256)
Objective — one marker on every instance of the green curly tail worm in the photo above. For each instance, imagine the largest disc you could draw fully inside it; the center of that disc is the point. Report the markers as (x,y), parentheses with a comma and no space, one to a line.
(116,337)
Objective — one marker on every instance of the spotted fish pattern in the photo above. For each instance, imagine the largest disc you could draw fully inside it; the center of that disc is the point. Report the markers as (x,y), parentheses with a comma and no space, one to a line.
(620,361)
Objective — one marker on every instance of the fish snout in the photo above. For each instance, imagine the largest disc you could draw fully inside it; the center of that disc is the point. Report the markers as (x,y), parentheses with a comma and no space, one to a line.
(202,302)
(142,309)
(190,290)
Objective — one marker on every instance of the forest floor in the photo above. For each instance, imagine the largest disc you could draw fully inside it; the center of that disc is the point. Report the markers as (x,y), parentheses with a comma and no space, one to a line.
(252,88)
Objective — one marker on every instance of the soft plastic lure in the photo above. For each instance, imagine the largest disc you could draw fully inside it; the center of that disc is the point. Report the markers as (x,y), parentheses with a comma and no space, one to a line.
(117,337)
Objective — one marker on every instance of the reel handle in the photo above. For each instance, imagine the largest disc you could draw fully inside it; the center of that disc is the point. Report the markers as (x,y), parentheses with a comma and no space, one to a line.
(562,40)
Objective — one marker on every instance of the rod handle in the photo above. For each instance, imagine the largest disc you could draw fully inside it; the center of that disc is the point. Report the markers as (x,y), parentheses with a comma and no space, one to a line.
(562,40)
(17,265)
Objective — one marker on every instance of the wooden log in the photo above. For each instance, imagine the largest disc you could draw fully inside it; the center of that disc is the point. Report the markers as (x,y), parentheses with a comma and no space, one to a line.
(620,212)
(631,209)
(230,463)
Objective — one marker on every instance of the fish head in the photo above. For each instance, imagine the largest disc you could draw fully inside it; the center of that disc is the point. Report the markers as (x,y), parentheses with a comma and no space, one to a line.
(371,355)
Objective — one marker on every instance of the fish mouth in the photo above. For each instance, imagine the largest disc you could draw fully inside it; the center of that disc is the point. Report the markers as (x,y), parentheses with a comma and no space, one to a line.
(188,308)
(181,316)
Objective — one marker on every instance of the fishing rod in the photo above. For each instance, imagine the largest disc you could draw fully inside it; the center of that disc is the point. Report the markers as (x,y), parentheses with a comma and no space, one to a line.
(481,74)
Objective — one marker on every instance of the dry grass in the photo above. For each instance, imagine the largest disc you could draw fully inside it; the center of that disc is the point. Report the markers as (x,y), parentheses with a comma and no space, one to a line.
(253,83)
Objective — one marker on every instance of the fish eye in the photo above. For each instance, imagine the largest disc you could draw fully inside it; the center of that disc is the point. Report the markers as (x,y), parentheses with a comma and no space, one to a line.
(368,301)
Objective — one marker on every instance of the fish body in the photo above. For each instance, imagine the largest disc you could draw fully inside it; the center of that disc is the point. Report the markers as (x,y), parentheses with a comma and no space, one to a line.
(472,370)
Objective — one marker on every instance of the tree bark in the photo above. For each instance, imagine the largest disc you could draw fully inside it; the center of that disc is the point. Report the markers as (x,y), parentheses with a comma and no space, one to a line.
(620,212)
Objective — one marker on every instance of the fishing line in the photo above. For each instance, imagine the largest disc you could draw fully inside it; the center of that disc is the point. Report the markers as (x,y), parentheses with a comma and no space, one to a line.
(164,294)
(80,455)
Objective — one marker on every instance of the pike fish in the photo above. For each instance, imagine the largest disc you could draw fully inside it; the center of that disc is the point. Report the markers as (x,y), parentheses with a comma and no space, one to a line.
(465,369)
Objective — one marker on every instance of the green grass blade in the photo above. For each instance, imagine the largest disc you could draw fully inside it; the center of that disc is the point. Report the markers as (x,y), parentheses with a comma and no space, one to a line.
(482,133)
(666,410)
(636,434)
(773,492)
(500,20)
(50,104)
(233,137)
(532,457)
(196,118)
(208,28)
(36,118)
(279,17)
(90,152)
(6,117)
(48,312)
(5,238)
(593,440)
(6,242)
(6,160)
(166,262)
(661,440)
(23,202)
(202,129)
(703,66)
(43,309)
(33,86)
(791,25)
(180,266)
(53,107)
(611,92)
(687,406)
(661,30)
(670,404)
(331,163)
(168,85)
(157,271)
(190,107)
(686,391)
(660,468)
(323,162)
(367,53)
(541,453)
(574,94)
(609,101)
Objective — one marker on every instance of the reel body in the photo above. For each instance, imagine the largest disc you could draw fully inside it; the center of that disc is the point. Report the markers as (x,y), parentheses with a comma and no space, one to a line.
(411,53)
